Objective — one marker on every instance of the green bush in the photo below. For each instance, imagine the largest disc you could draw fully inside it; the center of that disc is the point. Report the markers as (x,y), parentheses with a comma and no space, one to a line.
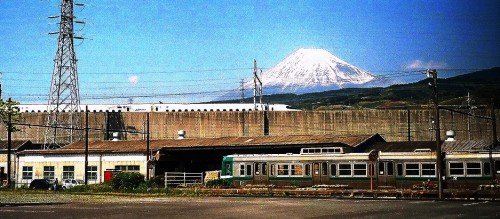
(127,180)
(218,183)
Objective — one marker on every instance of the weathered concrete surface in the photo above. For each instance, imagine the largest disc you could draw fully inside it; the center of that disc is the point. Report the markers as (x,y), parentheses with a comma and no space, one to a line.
(393,125)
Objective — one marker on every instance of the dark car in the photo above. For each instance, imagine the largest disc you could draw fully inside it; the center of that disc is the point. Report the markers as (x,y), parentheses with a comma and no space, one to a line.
(40,184)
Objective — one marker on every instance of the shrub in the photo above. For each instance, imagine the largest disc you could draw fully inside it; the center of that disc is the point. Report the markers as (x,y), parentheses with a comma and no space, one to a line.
(218,183)
(127,180)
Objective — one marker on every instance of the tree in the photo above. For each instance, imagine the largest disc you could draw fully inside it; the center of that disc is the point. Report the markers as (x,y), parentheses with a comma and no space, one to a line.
(9,113)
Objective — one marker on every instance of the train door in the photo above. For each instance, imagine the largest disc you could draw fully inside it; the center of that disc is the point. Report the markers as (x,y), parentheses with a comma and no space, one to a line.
(320,173)
(260,175)
(386,177)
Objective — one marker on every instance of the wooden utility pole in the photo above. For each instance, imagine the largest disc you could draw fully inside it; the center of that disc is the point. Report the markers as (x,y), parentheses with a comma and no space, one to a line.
(9,142)
(86,144)
(437,129)
(147,148)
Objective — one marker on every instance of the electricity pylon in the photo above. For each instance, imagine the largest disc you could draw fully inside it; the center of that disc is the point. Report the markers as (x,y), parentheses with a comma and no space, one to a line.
(64,95)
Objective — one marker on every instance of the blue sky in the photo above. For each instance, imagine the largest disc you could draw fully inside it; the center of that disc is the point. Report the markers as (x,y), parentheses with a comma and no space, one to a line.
(189,51)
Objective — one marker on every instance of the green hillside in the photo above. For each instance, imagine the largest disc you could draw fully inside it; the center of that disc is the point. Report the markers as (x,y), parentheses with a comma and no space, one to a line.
(482,86)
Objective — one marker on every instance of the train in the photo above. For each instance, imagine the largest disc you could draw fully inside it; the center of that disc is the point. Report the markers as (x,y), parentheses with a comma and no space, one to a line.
(332,167)
(163,107)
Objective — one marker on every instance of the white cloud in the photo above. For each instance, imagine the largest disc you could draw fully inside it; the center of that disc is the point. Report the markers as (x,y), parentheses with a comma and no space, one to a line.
(134,79)
(419,64)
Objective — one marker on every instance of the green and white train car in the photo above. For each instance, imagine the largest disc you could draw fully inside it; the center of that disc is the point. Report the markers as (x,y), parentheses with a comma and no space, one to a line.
(331,166)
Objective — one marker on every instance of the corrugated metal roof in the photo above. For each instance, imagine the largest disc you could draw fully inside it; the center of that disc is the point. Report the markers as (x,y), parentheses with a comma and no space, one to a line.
(446,146)
(473,145)
(16,144)
(140,146)
(402,146)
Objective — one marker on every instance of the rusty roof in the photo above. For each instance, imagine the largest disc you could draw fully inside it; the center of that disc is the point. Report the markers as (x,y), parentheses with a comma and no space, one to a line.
(402,146)
(472,145)
(446,146)
(139,146)
(15,145)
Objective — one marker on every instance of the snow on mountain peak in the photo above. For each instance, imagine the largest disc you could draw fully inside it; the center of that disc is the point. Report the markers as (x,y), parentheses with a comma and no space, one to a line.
(311,70)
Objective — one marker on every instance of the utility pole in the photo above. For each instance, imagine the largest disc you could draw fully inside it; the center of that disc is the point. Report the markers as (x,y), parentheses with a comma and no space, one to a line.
(147,148)
(64,95)
(9,142)
(494,139)
(86,145)
(242,89)
(257,91)
(439,159)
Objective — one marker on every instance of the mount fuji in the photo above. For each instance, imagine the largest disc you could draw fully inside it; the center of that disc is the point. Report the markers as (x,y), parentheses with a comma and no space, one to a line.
(311,70)
(308,71)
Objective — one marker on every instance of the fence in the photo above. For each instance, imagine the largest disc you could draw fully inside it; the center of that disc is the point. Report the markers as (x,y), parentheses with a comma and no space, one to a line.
(183,179)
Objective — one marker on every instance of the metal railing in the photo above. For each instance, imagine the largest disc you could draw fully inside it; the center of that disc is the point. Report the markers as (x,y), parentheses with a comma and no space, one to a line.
(182,179)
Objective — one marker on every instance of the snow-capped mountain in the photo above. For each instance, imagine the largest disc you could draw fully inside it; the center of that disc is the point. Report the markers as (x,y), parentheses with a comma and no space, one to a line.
(311,70)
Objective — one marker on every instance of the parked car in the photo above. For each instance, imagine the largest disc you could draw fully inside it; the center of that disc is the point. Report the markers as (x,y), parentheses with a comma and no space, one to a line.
(70,183)
(40,184)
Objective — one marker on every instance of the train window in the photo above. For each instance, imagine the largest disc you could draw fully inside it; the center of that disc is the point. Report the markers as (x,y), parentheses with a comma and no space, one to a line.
(272,170)
(283,169)
(264,169)
(359,169)
(496,165)
(400,169)
(456,169)
(228,169)
(256,169)
(308,169)
(316,169)
(345,169)
(242,169)
(390,168)
(412,169)
(249,170)
(296,170)
(428,169)
(487,168)
(324,169)
(381,168)
(473,168)
(333,169)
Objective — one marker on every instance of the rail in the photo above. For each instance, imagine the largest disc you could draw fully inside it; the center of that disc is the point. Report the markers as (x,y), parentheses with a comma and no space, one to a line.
(183,179)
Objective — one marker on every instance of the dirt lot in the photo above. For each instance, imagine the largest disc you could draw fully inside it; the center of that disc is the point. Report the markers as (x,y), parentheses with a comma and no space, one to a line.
(114,206)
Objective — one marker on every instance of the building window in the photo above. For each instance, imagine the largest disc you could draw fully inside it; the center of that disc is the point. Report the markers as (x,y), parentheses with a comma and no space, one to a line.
(27,172)
(359,169)
(473,168)
(428,169)
(345,169)
(68,172)
(456,169)
(48,172)
(128,168)
(412,169)
(92,173)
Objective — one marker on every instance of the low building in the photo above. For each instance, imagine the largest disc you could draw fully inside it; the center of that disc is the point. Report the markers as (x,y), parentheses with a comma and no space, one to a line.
(16,146)
(69,162)
(184,155)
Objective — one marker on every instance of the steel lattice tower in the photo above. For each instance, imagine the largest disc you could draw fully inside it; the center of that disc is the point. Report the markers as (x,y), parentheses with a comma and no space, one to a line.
(64,96)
